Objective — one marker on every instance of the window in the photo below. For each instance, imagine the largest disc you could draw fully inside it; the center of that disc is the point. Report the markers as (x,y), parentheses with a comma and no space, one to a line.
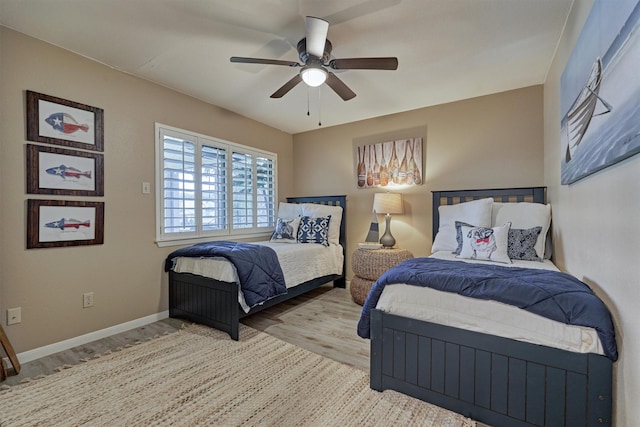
(207,187)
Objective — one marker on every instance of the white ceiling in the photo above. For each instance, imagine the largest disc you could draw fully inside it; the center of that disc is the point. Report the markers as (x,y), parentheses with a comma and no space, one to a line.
(447,49)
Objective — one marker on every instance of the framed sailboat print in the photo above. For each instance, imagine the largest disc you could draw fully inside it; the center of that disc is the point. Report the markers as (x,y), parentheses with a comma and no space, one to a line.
(600,88)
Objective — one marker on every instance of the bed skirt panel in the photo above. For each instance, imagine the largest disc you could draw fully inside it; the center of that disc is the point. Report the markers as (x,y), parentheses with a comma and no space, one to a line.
(206,301)
(495,380)
(214,303)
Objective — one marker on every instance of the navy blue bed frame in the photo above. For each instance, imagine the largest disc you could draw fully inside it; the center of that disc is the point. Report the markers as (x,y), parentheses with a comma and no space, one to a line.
(495,380)
(215,303)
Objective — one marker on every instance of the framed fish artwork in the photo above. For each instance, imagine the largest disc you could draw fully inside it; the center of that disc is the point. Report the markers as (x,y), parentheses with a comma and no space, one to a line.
(62,122)
(59,223)
(52,170)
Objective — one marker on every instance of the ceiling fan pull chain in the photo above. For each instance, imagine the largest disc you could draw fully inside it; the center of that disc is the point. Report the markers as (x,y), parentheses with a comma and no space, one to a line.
(319,108)
(308,114)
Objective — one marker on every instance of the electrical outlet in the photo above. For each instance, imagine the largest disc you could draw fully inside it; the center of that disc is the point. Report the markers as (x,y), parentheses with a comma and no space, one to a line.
(14,315)
(87,300)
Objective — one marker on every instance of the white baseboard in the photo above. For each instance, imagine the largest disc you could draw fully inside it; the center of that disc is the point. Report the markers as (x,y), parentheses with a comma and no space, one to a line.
(50,349)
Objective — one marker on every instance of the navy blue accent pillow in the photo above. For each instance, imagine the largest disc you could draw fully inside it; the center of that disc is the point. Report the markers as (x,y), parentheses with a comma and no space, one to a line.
(314,230)
(522,244)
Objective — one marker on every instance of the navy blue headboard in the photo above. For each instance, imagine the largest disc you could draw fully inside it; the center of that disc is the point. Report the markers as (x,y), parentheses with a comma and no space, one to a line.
(331,201)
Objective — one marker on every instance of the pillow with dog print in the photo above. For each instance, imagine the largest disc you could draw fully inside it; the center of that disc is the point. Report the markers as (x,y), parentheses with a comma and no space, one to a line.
(486,244)
(459,236)
(286,231)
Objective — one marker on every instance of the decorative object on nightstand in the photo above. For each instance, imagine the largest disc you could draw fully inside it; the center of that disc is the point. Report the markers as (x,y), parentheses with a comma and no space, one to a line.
(368,265)
(389,203)
(373,235)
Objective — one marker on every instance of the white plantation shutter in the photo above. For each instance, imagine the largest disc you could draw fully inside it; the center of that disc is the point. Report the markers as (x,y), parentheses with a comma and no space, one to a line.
(254,195)
(178,185)
(209,187)
(265,192)
(242,175)
(214,188)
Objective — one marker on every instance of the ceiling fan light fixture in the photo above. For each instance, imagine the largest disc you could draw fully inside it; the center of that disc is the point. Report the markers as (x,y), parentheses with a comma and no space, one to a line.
(313,75)
(314,51)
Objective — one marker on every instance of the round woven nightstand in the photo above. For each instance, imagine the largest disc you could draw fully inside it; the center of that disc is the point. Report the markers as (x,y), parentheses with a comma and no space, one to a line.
(368,265)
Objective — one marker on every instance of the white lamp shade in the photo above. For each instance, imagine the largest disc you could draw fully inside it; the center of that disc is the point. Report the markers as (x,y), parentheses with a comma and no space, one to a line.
(313,76)
(388,203)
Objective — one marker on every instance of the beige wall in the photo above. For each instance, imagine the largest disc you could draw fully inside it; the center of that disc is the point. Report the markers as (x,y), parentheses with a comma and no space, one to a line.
(125,273)
(506,139)
(596,227)
(487,142)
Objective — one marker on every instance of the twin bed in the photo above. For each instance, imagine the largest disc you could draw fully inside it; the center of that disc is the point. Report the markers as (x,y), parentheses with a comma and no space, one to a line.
(494,366)
(218,300)
(497,363)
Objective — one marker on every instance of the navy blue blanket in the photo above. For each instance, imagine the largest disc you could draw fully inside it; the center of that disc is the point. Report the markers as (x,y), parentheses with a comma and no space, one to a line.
(258,267)
(555,295)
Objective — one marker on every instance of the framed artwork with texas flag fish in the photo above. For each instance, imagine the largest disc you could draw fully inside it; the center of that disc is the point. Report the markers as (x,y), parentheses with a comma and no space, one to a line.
(53,170)
(56,223)
(58,121)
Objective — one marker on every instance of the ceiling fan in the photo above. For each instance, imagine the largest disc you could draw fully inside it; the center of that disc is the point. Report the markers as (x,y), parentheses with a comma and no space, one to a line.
(315,53)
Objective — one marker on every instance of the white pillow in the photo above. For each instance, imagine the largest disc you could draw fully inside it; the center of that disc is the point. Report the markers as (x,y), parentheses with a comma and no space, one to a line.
(315,211)
(476,212)
(525,215)
(289,210)
(487,244)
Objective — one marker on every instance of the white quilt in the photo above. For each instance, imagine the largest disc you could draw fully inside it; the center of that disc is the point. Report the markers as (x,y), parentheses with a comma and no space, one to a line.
(299,262)
(488,317)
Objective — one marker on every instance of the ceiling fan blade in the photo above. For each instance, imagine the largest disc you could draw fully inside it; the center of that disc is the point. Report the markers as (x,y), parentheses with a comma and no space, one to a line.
(263,61)
(287,87)
(389,63)
(339,87)
(316,35)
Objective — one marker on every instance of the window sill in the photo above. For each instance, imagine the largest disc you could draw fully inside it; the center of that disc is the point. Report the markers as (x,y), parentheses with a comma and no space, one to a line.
(234,237)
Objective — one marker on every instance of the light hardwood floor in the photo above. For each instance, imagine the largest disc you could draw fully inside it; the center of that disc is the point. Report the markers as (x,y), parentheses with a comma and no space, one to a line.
(323,321)
(51,364)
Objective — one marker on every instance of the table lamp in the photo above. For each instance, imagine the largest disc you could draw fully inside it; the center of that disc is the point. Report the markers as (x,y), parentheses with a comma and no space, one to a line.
(389,203)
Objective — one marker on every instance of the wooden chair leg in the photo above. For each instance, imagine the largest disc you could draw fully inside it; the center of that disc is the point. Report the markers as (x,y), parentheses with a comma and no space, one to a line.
(6,345)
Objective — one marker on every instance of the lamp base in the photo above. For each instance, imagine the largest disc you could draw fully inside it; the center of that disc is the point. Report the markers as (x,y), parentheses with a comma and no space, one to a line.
(387,240)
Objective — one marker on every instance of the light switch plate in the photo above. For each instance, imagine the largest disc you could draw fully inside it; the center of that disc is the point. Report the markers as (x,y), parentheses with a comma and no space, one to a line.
(14,315)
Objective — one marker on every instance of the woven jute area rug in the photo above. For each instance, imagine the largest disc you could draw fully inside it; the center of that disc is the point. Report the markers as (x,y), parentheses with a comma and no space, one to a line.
(198,376)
